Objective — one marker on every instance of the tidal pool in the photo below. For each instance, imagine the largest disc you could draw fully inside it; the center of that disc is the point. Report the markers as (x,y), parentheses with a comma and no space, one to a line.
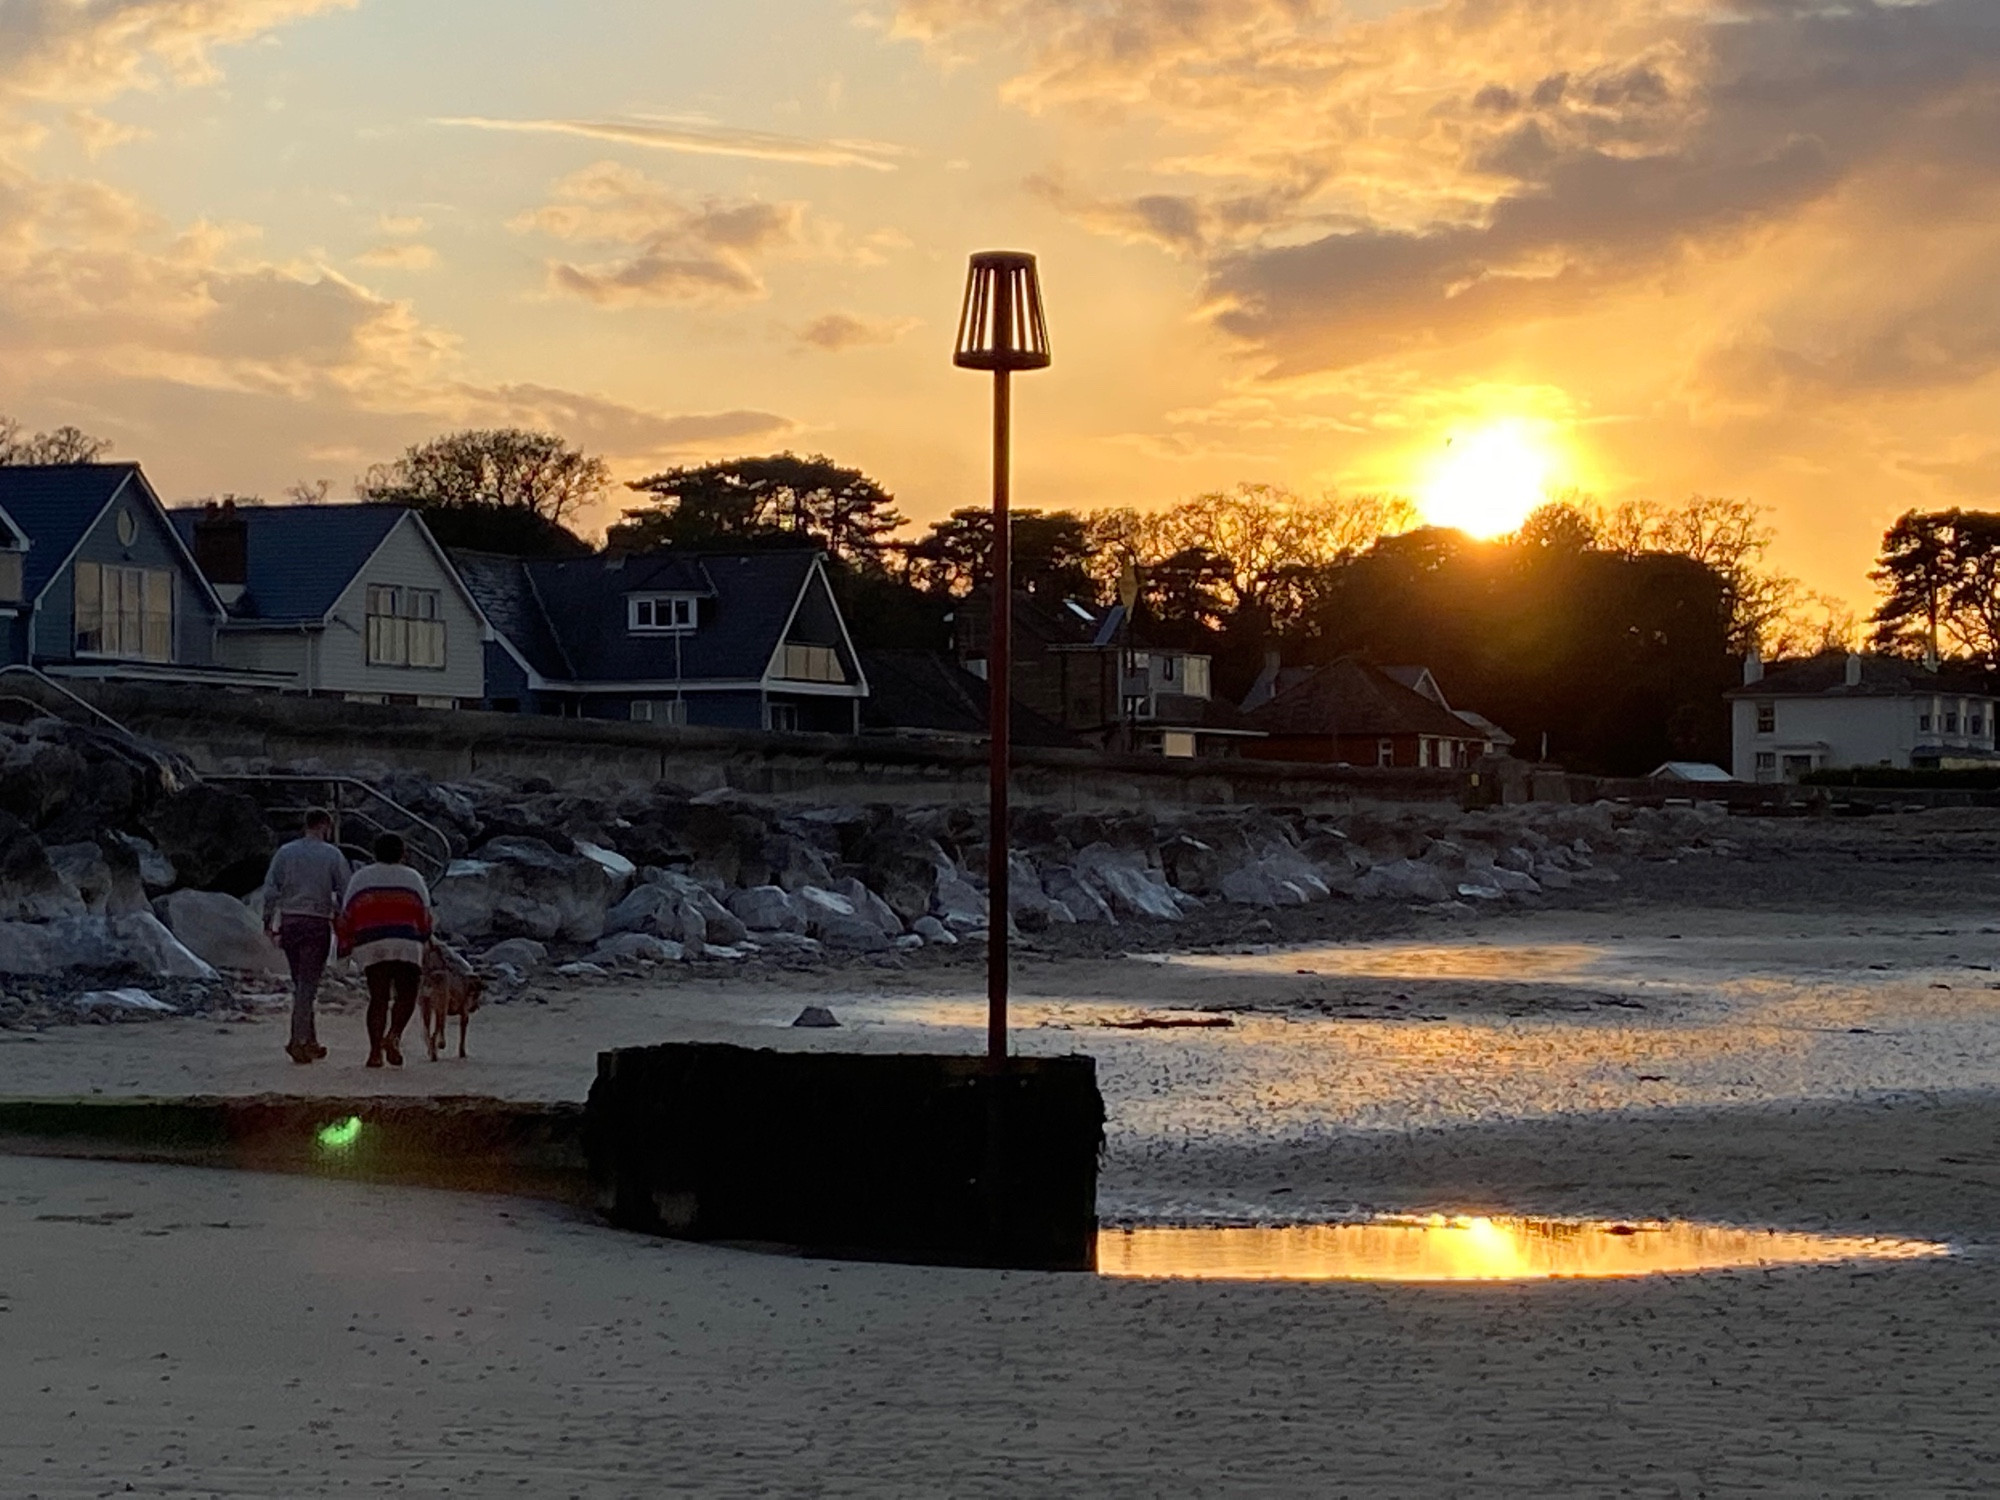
(1475,1248)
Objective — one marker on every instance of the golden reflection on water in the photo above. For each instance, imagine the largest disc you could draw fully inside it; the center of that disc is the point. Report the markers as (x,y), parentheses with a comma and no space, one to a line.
(1474,1249)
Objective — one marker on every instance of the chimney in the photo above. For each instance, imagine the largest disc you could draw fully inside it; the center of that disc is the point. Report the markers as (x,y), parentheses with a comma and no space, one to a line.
(222,549)
(1853,670)
(1753,667)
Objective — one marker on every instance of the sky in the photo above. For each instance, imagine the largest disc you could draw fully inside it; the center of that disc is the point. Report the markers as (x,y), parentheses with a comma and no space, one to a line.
(1458,250)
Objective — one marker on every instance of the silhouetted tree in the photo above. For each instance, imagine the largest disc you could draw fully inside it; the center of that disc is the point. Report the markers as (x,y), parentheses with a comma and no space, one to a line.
(760,500)
(63,445)
(501,490)
(1940,574)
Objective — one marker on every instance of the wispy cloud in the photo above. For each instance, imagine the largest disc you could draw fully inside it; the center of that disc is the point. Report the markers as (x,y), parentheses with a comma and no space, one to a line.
(706,140)
(837,332)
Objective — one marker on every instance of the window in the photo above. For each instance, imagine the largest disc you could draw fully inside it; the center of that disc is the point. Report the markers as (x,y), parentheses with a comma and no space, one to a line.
(126,612)
(1167,668)
(1423,752)
(1385,752)
(405,628)
(783,717)
(1767,760)
(1977,724)
(1951,723)
(812,664)
(1798,765)
(1767,718)
(1195,680)
(659,711)
(659,612)
(1924,722)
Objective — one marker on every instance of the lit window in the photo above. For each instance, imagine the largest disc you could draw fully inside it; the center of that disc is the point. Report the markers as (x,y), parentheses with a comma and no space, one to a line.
(405,628)
(127,612)
(812,664)
(1767,718)
(1385,752)
(660,612)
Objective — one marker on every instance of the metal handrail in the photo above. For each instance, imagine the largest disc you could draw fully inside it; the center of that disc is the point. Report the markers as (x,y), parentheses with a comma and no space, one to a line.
(441,858)
(174,769)
(49,682)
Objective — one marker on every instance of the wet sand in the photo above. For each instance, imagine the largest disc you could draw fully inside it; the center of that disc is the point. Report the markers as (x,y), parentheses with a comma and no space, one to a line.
(1735,1062)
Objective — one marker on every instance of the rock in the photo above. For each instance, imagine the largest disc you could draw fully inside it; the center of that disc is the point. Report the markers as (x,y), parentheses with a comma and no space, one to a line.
(1516,858)
(692,924)
(766,908)
(221,931)
(520,887)
(931,930)
(956,903)
(583,971)
(1083,904)
(789,945)
(1553,877)
(1473,891)
(128,892)
(146,944)
(156,871)
(521,953)
(1405,880)
(38,778)
(816,1016)
(794,863)
(218,840)
(636,947)
(31,888)
(621,870)
(832,918)
(1194,866)
(867,904)
(1126,883)
(87,871)
(908,942)
(650,908)
(1027,903)
(721,926)
(1513,882)
(1256,885)
(131,999)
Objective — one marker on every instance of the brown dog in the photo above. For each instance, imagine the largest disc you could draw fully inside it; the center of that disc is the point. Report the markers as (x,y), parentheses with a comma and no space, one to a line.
(450,988)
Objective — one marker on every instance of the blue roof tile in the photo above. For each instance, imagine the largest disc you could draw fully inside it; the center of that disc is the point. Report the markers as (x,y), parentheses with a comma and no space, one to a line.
(55,505)
(302,557)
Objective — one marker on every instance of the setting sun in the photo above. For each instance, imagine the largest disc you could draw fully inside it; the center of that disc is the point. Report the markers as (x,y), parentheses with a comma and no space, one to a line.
(1489,478)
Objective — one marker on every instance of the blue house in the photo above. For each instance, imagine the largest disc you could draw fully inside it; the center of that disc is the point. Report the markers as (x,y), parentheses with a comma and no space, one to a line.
(107,588)
(738,640)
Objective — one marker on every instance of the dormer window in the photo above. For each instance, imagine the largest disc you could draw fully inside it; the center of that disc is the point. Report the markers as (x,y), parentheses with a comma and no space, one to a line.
(659,614)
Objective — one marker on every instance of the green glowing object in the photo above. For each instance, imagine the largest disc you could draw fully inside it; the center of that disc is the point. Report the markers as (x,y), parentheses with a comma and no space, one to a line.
(342,1136)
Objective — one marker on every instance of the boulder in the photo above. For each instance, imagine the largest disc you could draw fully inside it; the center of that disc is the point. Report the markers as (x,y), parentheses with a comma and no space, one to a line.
(1126,883)
(932,931)
(127,892)
(1028,904)
(38,778)
(691,923)
(649,908)
(873,907)
(794,863)
(956,903)
(901,865)
(85,868)
(31,888)
(218,840)
(1258,884)
(221,931)
(621,870)
(156,871)
(794,945)
(766,908)
(526,917)
(833,920)
(1405,880)
(1554,877)
(1079,900)
(520,953)
(636,947)
(1195,866)
(521,887)
(137,941)
(1513,881)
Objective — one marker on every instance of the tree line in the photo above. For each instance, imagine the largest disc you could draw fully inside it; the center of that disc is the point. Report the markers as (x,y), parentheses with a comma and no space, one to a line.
(1612,629)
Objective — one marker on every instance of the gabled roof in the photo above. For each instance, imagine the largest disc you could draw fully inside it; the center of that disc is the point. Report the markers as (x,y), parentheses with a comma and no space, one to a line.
(1688,770)
(302,557)
(1825,676)
(567,618)
(12,537)
(1419,680)
(1351,697)
(926,692)
(56,505)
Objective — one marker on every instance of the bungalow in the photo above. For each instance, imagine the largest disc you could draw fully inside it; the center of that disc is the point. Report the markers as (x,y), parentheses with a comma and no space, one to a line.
(106,586)
(1354,713)
(347,601)
(737,640)
(1842,710)
(1076,665)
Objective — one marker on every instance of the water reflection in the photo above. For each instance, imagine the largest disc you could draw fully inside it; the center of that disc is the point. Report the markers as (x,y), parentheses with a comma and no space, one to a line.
(1474,1249)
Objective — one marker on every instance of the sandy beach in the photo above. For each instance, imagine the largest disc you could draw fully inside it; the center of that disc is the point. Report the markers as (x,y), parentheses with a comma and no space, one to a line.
(1686,1048)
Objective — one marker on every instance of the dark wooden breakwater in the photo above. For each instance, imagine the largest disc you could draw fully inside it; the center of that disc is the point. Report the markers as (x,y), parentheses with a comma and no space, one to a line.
(929,1159)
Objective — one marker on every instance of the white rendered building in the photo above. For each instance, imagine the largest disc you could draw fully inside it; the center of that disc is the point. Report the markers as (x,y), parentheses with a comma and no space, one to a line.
(1843,711)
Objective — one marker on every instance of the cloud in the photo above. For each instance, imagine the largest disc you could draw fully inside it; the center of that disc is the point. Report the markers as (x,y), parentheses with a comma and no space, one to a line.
(99,135)
(836,332)
(676,249)
(74,50)
(706,140)
(398,257)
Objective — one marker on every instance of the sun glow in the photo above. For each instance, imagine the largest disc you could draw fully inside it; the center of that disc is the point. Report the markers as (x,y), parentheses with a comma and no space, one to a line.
(1489,478)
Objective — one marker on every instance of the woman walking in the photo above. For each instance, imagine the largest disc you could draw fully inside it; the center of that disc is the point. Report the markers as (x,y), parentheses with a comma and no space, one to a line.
(385,923)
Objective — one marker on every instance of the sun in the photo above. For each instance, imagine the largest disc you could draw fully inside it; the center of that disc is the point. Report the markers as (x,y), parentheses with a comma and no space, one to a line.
(1489,478)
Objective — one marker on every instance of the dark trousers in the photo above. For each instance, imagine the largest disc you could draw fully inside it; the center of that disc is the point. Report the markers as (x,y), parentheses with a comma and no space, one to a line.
(306,941)
(389,982)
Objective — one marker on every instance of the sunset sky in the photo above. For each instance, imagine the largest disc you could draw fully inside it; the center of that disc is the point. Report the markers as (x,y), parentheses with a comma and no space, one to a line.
(1645,247)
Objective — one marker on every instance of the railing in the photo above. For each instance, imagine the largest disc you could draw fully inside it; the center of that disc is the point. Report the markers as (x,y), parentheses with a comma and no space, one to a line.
(173,770)
(349,799)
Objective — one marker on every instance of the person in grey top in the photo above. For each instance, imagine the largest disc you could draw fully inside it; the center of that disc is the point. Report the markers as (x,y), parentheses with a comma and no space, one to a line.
(302,894)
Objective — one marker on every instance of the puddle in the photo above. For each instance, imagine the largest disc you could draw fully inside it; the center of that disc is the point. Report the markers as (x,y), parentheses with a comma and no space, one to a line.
(1475,1249)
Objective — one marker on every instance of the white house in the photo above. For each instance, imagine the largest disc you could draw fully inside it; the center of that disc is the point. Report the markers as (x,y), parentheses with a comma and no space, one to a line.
(348,601)
(1843,711)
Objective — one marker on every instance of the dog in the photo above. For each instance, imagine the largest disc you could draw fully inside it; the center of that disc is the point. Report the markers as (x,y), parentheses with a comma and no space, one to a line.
(449,988)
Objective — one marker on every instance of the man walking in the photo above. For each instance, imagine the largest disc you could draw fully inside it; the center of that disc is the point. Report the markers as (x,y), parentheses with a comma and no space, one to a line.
(302,895)
(386,924)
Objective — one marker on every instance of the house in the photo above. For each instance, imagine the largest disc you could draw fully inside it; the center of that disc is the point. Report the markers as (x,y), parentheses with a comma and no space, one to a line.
(347,601)
(926,695)
(1075,665)
(1352,712)
(1690,773)
(733,640)
(1844,710)
(106,586)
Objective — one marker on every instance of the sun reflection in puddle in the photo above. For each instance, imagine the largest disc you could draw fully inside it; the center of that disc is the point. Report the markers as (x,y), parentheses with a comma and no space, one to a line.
(1475,1249)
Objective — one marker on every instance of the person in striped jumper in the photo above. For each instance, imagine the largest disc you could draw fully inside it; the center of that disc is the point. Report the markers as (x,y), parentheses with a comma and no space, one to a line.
(385,923)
